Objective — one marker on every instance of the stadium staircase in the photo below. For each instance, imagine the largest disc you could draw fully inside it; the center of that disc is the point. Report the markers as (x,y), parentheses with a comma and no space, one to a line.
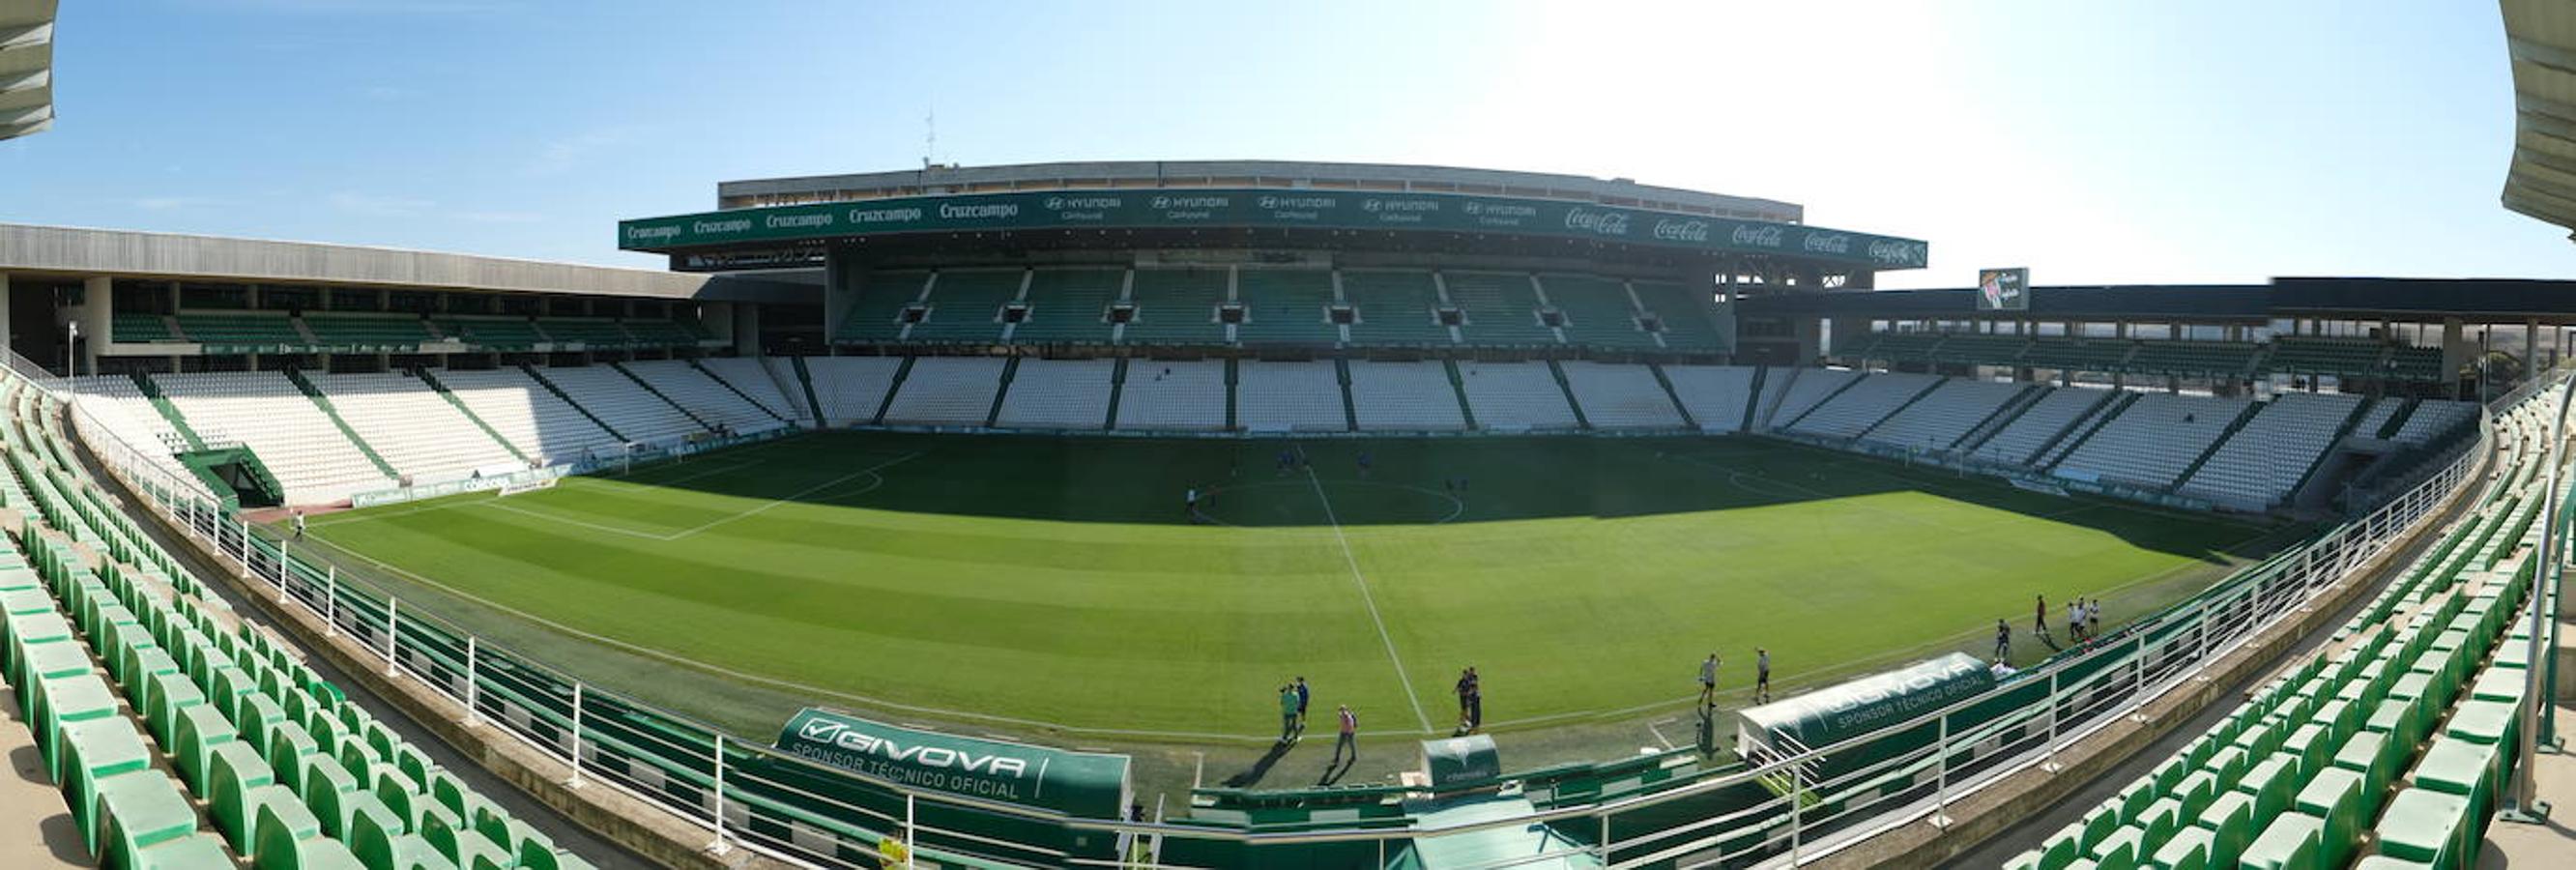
(1571,403)
(2056,449)
(1232,372)
(1928,389)
(1666,382)
(1826,399)
(1117,385)
(479,423)
(168,411)
(2001,419)
(894,386)
(2342,432)
(207,463)
(1010,368)
(658,394)
(541,380)
(737,391)
(1761,419)
(310,391)
(805,386)
(183,737)
(1753,398)
(2243,416)
(2397,421)
(1458,388)
(1350,407)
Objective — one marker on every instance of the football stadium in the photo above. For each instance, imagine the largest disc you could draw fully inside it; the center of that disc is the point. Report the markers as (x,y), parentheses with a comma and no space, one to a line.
(1249,513)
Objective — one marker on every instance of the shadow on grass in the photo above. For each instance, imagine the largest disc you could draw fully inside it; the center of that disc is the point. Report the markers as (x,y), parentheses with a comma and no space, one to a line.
(1279,483)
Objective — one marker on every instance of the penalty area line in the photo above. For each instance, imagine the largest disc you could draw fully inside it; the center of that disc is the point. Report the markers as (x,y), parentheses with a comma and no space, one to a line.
(1370,601)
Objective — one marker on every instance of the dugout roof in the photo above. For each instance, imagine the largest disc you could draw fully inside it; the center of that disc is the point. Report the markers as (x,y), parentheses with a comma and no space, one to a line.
(26,67)
(2540,36)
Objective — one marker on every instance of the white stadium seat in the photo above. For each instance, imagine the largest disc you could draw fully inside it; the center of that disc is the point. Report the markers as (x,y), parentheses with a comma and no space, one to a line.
(851,388)
(1853,411)
(1620,396)
(1289,397)
(1404,397)
(947,391)
(290,434)
(627,408)
(1057,394)
(531,417)
(1716,396)
(1936,422)
(1514,397)
(1186,395)
(415,429)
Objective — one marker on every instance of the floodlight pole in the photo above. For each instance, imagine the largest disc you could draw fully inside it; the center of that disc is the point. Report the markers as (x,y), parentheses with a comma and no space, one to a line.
(2523,800)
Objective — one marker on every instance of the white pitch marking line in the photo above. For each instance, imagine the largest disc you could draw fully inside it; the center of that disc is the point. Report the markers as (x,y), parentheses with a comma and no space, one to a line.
(615,530)
(1365,598)
(890,463)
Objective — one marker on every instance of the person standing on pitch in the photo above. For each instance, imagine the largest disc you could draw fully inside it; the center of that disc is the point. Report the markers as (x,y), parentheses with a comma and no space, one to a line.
(1303,695)
(2003,641)
(1708,681)
(299,524)
(2093,617)
(1287,714)
(2075,619)
(2039,620)
(1475,701)
(1761,674)
(1349,740)
(1466,685)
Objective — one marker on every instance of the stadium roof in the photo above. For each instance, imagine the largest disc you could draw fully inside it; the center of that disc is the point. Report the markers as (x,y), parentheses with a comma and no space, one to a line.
(2540,35)
(41,250)
(26,67)
(1381,177)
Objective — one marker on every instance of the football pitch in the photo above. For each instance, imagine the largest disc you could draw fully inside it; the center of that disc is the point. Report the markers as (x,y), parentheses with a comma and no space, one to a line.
(1063,584)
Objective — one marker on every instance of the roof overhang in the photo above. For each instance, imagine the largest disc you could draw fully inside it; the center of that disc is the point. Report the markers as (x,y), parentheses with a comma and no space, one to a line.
(26,67)
(2540,37)
(74,251)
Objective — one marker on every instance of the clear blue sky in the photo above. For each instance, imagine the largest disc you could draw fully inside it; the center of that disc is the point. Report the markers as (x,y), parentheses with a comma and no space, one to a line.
(2202,140)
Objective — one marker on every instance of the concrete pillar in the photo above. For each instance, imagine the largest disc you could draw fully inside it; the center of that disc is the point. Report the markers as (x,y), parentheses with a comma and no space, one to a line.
(96,306)
(841,284)
(2455,353)
(2531,347)
(746,330)
(8,337)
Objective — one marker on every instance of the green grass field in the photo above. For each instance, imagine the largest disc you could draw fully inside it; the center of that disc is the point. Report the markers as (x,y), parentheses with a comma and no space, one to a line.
(1058,582)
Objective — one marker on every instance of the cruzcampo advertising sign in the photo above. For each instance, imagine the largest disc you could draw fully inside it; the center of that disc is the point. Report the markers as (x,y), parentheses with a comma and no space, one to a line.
(1089,784)
(1192,208)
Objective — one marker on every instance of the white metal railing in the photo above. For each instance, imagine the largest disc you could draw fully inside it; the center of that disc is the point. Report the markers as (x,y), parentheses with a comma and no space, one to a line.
(700,773)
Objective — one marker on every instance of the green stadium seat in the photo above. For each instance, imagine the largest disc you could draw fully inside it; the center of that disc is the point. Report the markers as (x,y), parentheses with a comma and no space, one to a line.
(138,810)
(2062,849)
(94,751)
(2188,849)
(2196,791)
(2229,819)
(2098,823)
(2334,795)
(2270,782)
(2460,767)
(462,845)
(2377,761)
(2383,862)
(192,852)
(2428,827)
(332,794)
(235,782)
(2160,821)
(2291,842)
(2119,850)
(200,730)
(62,702)
(382,844)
